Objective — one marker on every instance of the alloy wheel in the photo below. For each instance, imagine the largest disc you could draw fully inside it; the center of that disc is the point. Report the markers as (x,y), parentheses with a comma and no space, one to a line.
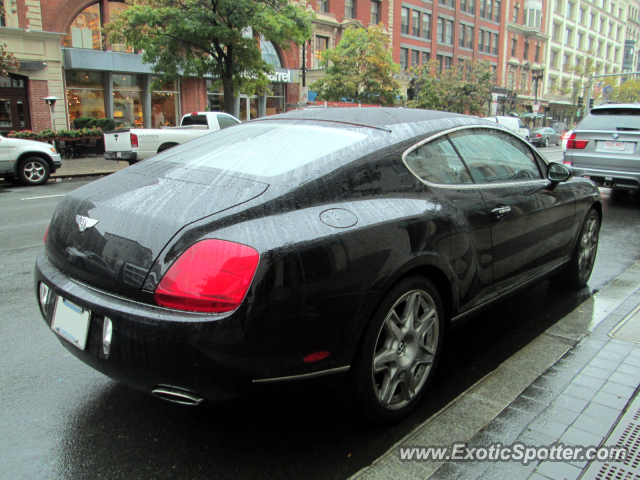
(588,246)
(34,171)
(405,349)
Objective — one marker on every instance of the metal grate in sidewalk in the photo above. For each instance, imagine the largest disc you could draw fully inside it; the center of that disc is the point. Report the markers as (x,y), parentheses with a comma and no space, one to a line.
(626,434)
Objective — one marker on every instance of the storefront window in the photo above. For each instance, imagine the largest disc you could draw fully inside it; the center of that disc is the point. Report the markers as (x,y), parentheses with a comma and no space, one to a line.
(85,94)
(275,98)
(5,113)
(269,53)
(165,104)
(84,32)
(127,100)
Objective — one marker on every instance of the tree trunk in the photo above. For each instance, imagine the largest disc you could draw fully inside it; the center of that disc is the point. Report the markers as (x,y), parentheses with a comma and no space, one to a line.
(227,89)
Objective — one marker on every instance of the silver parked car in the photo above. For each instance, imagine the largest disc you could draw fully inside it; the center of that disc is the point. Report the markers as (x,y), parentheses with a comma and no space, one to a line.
(604,146)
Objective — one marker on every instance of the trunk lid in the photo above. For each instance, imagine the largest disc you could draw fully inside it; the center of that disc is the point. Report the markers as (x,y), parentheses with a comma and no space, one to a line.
(117,141)
(138,210)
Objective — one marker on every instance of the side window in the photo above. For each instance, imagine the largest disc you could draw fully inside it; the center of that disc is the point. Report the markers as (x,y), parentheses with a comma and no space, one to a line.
(438,162)
(226,121)
(494,156)
(520,124)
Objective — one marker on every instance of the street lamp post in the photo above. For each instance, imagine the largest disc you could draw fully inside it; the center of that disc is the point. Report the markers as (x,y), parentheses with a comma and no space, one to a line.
(536,76)
(51,101)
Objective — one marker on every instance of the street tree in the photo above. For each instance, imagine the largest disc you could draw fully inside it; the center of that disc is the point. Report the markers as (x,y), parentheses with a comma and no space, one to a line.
(8,62)
(211,37)
(462,88)
(359,69)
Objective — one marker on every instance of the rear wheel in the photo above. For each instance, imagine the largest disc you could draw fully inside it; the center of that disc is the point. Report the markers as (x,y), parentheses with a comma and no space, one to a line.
(577,272)
(546,141)
(33,171)
(399,353)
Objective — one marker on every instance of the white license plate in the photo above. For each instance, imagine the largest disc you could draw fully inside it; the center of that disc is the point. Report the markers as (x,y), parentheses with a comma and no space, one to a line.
(71,322)
(118,154)
(614,146)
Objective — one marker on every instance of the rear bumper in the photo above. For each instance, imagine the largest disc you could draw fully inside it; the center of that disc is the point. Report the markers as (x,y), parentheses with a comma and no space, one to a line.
(610,178)
(126,156)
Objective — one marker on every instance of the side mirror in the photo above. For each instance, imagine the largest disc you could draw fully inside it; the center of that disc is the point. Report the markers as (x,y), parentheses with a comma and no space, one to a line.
(557,172)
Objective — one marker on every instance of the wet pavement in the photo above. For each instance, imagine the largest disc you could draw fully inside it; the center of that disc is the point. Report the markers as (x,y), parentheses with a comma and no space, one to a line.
(61,419)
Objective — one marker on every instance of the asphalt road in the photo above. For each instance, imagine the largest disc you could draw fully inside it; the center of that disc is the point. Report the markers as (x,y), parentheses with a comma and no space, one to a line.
(61,419)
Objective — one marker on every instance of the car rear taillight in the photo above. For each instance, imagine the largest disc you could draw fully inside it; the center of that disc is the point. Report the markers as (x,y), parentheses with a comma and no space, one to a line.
(134,140)
(210,276)
(576,144)
(538,135)
(567,162)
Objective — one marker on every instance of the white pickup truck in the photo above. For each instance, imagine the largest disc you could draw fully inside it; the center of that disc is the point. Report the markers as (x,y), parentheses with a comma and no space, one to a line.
(135,144)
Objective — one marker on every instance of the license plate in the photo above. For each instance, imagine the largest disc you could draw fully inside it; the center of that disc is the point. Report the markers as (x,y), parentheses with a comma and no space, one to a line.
(614,146)
(119,154)
(71,322)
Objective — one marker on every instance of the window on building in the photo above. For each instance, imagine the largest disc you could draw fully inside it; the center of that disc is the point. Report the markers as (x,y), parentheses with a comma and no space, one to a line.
(536,57)
(127,100)
(85,94)
(554,59)
(481,41)
(448,62)
(568,37)
(565,85)
(523,81)
(323,6)
(375,12)
(463,5)
(84,31)
(565,62)
(618,34)
(165,104)
(579,40)
(349,9)
(449,33)
(581,16)
(592,20)
(487,42)
(461,35)
(526,50)
(511,81)
(439,59)
(608,56)
(426,26)
(469,37)
(570,8)
(551,86)
(514,45)
(415,23)
(448,3)
(404,59)
(415,58)
(516,13)
(483,6)
(426,56)
(496,12)
(489,9)
(441,29)
(555,32)
(322,43)
(404,21)
(602,26)
(495,44)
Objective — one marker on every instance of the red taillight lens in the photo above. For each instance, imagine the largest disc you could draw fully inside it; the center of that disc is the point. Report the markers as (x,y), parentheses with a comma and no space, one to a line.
(211,276)
(134,140)
(316,357)
(576,144)
(46,234)
(538,135)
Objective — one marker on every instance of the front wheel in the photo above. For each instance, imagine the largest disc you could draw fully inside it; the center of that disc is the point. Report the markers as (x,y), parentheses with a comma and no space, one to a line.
(33,171)
(577,272)
(399,353)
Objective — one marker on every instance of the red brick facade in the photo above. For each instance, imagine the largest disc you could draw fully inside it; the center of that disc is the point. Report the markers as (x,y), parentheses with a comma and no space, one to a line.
(40,114)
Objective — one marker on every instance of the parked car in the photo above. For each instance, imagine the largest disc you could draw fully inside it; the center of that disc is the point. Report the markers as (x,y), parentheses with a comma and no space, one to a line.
(136,144)
(315,243)
(544,136)
(26,161)
(512,123)
(604,146)
(559,127)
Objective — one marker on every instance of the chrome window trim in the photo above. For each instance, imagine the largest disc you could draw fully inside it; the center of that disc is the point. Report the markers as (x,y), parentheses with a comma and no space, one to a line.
(473,185)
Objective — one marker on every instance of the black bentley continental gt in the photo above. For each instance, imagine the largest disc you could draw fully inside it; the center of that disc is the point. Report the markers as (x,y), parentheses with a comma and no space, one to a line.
(319,242)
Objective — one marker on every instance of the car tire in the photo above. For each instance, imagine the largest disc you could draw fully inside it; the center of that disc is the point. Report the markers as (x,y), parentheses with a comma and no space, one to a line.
(398,356)
(577,272)
(546,141)
(33,171)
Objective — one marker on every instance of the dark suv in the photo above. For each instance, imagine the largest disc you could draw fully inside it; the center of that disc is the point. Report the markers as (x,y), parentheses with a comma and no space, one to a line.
(604,146)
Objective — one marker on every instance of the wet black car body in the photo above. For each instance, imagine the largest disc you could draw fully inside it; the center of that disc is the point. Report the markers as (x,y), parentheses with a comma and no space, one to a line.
(334,235)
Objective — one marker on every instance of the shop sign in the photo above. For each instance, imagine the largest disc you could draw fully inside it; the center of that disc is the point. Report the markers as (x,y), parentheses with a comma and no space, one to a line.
(281,76)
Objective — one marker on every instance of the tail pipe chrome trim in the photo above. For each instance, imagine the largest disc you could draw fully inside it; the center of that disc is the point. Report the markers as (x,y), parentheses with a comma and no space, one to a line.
(304,376)
(177,395)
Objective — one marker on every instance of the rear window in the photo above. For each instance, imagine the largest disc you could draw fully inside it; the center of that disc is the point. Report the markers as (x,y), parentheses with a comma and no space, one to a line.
(612,119)
(267,149)
(194,120)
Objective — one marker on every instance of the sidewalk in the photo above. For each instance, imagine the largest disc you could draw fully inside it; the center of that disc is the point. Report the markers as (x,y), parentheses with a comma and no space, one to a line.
(87,167)
(575,384)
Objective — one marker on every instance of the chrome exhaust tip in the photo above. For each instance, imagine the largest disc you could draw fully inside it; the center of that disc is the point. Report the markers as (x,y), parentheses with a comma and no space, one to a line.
(177,395)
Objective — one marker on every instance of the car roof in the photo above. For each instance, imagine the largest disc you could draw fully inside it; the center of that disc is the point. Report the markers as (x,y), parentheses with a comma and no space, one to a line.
(616,105)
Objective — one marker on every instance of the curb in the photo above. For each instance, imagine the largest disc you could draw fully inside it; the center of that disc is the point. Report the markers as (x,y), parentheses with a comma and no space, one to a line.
(474,409)
(76,175)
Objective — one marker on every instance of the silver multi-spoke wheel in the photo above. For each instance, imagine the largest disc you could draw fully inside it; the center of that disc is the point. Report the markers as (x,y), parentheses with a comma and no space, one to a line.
(588,246)
(34,171)
(405,349)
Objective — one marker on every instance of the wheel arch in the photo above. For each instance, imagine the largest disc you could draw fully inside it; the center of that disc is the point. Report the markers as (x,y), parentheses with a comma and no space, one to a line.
(29,154)
(167,146)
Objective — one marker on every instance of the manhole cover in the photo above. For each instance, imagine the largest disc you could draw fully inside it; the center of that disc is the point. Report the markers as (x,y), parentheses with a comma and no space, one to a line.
(629,328)
(626,434)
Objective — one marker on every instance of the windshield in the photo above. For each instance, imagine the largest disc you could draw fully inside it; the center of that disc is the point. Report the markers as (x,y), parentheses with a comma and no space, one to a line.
(612,119)
(268,149)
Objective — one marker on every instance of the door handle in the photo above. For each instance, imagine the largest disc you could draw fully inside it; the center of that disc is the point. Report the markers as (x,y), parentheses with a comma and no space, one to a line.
(500,212)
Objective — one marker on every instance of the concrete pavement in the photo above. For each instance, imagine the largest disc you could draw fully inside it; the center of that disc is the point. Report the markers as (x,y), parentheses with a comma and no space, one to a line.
(88,167)
(571,385)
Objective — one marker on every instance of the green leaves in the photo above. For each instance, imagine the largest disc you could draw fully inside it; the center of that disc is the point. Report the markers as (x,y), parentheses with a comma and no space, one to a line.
(360,69)
(463,88)
(211,37)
